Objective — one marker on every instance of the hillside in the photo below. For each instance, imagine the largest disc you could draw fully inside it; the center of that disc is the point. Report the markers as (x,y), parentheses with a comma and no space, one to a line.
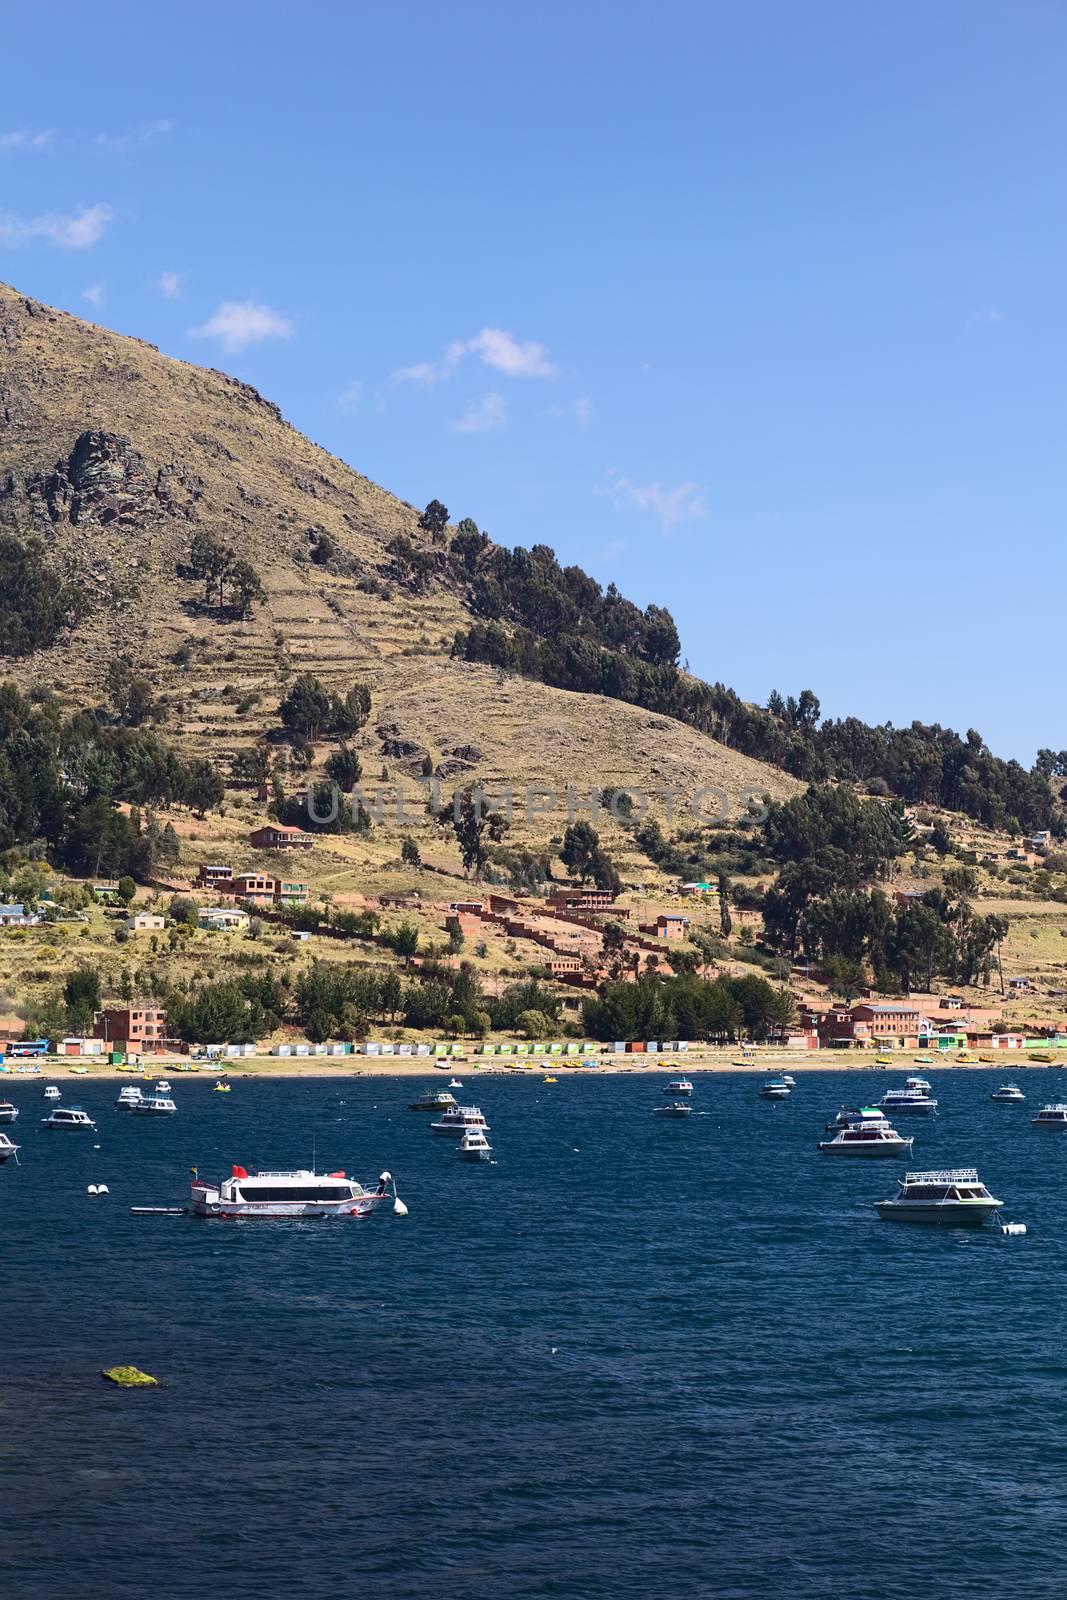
(117,456)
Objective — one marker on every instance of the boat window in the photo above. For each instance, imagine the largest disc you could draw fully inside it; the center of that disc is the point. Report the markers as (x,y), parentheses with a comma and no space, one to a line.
(325,1191)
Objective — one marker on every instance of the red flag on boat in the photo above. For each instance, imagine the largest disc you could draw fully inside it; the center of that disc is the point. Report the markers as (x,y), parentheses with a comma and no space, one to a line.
(238,1172)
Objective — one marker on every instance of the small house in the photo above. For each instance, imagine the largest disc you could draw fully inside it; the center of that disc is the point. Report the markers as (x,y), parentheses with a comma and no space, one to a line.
(145,922)
(276,836)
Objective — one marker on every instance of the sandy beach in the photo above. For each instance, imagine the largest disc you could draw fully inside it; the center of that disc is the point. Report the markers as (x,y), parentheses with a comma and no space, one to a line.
(765,1063)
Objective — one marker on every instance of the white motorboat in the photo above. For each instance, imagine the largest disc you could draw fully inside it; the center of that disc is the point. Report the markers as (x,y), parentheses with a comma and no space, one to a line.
(789,1081)
(289,1194)
(8,1112)
(163,1087)
(68,1117)
(674,1108)
(1054,1116)
(154,1105)
(874,1138)
(454,1083)
(909,1100)
(1009,1094)
(474,1146)
(433,1100)
(7,1149)
(52,1093)
(850,1114)
(678,1086)
(956,1196)
(774,1090)
(128,1096)
(919,1085)
(456,1121)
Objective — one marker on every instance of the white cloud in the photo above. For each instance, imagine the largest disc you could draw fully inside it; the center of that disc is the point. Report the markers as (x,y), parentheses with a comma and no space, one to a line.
(483,415)
(495,348)
(169,285)
(683,503)
(498,349)
(348,399)
(581,410)
(237,323)
(422,372)
(23,140)
(70,231)
(143,133)
(94,293)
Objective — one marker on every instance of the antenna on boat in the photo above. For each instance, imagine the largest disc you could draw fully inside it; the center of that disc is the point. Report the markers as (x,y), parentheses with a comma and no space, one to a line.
(314,1147)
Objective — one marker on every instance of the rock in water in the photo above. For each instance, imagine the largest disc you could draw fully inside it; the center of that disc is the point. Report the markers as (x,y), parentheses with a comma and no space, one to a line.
(129,1377)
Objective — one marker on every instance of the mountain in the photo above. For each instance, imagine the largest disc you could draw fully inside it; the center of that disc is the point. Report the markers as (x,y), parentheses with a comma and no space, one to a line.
(117,457)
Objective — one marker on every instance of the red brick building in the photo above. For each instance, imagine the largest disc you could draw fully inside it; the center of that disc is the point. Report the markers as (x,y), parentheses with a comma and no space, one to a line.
(580,899)
(141,1027)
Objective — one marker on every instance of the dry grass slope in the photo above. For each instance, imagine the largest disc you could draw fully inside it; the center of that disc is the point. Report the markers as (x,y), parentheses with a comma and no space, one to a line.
(207,452)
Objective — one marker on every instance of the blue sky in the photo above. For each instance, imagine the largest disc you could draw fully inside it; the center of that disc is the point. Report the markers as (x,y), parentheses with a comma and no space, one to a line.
(760,310)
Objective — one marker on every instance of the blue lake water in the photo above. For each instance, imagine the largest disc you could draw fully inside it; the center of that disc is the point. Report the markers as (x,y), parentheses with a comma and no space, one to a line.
(635,1357)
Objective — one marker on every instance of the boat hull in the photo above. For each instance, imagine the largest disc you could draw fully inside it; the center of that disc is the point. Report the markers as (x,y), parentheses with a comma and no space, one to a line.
(476,1155)
(282,1210)
(969,1215)
(8,1115)
(874,1147)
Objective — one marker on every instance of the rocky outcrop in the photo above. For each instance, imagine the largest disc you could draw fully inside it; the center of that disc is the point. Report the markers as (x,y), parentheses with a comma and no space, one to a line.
(102,480)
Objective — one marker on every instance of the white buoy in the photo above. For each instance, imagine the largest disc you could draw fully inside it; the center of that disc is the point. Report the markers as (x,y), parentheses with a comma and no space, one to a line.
(92,1189)
(399,1208)
(1015,1228)
(102,1188)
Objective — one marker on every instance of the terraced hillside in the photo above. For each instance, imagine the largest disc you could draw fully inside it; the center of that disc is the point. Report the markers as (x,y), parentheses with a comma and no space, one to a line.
(116,456)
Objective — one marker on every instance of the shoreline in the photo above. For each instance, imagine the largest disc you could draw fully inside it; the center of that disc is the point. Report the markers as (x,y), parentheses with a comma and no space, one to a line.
(689,1062)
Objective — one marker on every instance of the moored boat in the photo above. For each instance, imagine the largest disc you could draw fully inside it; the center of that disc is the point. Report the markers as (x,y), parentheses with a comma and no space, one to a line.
(128,1096)
(919,1085)
(8,1112)
(154,1105)
(674,1108)
(850,1114)
(1054,1116)
(907,1100)
(1009,1094)
(433,1100)
(7,1148)
(474,1146)
(457,1120)
(955,1196)
(68,1117)
(52,1093)
(299,1193)
(679,1086)
(775,1089)
(874,1138)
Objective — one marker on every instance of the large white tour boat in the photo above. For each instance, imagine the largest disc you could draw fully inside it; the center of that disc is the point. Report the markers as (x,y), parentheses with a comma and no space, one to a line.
(457,1119)
(874,1138)
(8,1112)
(288,1194)
(954,1195)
